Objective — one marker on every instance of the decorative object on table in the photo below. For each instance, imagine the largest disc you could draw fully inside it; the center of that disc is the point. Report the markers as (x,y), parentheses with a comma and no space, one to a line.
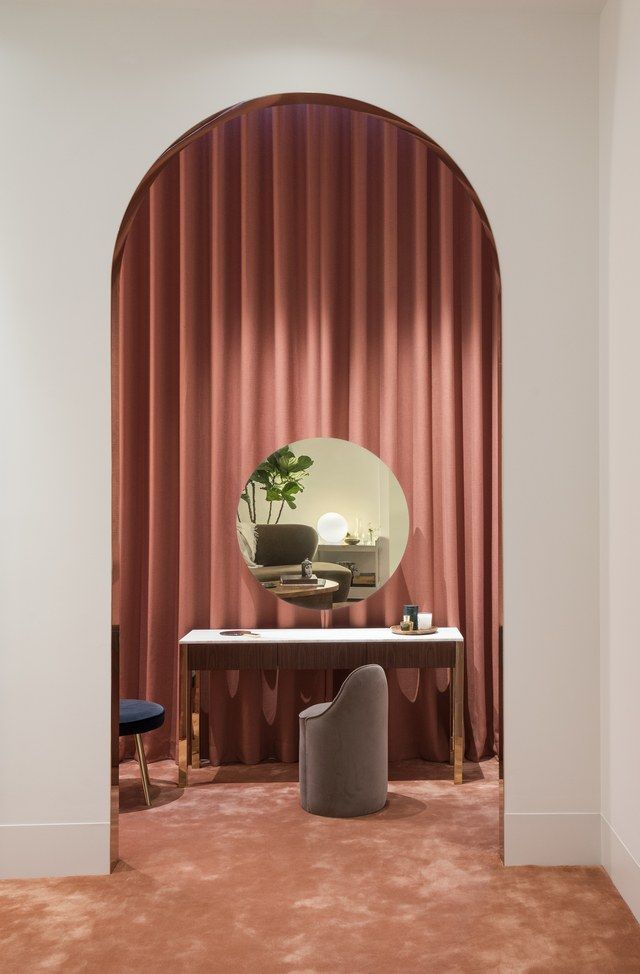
(332,527)
(406,624)
(280,477)
(351,539)
(425,620)
(301,580)
(306,568)
(239,632)
(412,612)
(399,631)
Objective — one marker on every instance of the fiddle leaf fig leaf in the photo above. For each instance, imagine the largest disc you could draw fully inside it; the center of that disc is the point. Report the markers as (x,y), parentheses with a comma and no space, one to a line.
(286,463)
(261,476)
(279,477)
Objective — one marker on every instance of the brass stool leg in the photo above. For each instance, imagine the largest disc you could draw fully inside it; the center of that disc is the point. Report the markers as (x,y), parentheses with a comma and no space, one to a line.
(144,771)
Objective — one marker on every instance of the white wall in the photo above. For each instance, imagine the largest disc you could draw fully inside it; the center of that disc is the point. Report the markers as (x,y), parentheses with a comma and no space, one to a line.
(92,95)
(620,453)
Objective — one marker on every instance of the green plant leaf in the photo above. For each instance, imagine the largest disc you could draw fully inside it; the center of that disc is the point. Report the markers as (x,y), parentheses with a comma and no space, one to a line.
(279,477)
(275,458)
(261,476)
(291,503)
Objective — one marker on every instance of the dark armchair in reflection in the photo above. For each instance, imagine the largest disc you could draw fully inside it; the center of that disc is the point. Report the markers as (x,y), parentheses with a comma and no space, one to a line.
(281,549)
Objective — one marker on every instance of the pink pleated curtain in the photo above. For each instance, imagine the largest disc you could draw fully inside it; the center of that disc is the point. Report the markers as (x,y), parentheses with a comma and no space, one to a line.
(301,271)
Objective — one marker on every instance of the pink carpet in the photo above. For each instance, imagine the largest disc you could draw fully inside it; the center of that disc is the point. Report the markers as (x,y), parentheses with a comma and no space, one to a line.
(233,876)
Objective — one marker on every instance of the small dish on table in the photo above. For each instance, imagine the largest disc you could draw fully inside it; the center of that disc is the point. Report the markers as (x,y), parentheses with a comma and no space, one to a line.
(413,632)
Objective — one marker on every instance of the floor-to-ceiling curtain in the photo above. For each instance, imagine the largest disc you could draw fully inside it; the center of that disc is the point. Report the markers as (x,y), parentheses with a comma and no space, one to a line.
(301,271)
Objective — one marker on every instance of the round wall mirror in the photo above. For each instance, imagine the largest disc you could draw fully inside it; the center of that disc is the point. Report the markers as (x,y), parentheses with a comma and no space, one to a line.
(322,523)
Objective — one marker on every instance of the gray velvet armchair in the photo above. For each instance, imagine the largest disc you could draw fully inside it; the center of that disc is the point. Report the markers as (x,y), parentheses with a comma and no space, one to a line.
(282,547)
(344,748)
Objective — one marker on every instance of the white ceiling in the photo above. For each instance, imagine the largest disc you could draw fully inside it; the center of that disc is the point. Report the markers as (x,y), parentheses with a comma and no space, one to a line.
(560,6)
(567,6)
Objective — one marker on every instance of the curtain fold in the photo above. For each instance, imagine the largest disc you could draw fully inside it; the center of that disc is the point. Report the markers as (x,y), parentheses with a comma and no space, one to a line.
(304,271)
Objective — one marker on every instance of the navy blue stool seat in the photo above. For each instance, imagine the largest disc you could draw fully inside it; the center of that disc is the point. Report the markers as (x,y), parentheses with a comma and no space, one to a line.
(140,716)
(136,718)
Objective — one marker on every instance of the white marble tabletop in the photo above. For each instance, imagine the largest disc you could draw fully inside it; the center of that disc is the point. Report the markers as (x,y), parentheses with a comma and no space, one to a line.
(381,635)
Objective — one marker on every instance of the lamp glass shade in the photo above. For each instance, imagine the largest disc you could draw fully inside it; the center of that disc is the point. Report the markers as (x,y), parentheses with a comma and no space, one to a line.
(332,528)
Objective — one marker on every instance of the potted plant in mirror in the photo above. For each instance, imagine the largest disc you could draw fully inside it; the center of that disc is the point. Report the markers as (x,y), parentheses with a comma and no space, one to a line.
(280,476)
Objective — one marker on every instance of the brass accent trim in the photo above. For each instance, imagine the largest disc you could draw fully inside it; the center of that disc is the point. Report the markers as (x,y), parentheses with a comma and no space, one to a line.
(195,720)
(184,717)
(458,714)
(144,771)
(114,788)
(451,715)
(501,743)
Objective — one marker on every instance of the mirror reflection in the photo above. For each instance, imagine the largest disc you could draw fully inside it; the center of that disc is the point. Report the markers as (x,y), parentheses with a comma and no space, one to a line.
(322,523)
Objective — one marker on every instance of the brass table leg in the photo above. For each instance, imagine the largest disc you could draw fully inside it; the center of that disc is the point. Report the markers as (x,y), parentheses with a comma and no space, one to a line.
(451,672)
(458,714)
(184,717)
(195,720)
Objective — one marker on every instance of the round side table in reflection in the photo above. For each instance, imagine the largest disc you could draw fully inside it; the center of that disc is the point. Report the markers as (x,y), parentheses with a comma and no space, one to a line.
(307,596)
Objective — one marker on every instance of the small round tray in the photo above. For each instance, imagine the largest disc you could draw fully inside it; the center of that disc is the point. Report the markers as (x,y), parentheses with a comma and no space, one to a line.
(413,632)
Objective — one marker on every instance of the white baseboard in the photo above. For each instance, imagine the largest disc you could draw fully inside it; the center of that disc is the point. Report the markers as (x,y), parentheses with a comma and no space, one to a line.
(552,839)
(622,867)
(65,849)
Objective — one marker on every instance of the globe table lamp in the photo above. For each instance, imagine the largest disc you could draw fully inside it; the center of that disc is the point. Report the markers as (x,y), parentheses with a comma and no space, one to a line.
(332,528)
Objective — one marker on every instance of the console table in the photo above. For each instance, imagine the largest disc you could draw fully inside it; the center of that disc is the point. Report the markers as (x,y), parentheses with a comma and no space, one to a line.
(312,649)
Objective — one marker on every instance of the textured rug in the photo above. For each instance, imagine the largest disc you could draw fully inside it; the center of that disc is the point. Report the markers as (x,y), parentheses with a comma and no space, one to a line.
(231,875)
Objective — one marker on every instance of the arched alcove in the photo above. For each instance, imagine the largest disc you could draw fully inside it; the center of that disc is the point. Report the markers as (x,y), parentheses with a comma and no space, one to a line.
(295,266)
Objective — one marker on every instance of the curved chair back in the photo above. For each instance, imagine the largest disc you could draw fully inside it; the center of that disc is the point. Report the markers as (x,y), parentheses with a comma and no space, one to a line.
(285,544)
(344,748)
